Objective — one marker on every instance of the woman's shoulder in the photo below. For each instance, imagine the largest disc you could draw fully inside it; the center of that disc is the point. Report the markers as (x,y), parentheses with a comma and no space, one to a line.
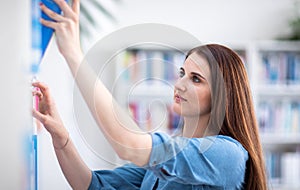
(224,142)
(221,144)
(229,140)
(226,148)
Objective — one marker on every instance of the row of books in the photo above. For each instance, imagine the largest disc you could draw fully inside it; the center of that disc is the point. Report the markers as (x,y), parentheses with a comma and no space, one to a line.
(279,116)
(280,68)
(283,168)
(137,65)
(273,117)
(155,116)
(146,64)
(276,117)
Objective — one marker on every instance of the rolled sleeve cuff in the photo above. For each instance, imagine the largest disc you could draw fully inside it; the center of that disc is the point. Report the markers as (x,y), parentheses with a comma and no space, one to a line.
(94,182)
(156,155)
(165,148)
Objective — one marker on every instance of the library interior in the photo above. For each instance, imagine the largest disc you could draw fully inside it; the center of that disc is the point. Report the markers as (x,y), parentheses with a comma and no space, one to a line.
(137,49)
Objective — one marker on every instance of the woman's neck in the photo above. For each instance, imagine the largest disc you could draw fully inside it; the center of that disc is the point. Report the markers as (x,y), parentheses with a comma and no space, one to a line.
(195,127)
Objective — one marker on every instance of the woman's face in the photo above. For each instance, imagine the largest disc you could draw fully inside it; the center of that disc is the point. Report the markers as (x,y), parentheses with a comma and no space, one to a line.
(192,96)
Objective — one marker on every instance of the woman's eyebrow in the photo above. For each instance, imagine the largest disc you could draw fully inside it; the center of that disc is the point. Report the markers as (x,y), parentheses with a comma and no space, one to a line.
(194,73)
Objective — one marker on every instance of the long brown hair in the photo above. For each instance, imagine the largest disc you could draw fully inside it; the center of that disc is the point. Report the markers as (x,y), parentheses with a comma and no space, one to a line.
(238,111)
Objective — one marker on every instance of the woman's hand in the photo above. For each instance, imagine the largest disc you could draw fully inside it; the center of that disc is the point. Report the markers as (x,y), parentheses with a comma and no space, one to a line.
(48,115)
(66,27)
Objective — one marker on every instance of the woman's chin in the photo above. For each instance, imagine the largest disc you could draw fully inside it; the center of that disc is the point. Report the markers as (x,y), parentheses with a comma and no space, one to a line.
(176,108)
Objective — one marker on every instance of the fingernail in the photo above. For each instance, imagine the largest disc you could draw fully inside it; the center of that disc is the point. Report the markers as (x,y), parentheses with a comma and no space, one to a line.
(41,3)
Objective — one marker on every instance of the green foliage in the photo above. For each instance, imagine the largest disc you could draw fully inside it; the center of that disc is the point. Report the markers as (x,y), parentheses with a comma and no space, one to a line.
(295,25)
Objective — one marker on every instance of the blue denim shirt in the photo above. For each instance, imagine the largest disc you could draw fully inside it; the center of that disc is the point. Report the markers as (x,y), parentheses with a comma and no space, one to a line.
(215,162)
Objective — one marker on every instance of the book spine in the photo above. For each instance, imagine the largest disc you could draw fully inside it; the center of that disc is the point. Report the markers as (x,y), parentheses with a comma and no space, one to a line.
(279,117)
(281,68)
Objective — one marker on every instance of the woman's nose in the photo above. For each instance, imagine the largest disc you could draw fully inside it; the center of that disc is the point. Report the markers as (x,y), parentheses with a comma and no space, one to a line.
(180,84)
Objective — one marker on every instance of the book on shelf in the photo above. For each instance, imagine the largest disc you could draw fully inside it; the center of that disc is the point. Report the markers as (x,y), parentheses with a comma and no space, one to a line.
(279,117)
(136,66)
(280,68)
(283,168)
(155,117)
(148,65)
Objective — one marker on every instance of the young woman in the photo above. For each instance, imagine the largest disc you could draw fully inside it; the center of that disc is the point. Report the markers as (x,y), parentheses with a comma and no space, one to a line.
(219,147)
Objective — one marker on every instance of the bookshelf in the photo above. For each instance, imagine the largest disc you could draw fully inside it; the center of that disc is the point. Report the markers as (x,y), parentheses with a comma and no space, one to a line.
(274,71)
(147,76)
(277,99)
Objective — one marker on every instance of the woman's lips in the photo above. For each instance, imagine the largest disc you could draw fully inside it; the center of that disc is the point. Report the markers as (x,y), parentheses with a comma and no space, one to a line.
(179,99)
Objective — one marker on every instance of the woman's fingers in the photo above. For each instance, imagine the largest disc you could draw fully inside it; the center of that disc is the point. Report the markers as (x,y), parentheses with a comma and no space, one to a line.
(39,116)
(76,6)
(63,5)
(38,94)
(66,28)
(49,24)
(52,14)
(66,9)
(43,88)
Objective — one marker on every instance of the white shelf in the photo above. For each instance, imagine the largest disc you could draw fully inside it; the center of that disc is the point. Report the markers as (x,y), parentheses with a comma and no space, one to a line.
(284,46)
(278,90)
(150,91)
(280,139)
(284,187)
(153,90)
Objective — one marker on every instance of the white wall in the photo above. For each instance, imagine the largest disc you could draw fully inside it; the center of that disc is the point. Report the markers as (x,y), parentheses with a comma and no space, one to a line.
(214,20)
(14,96)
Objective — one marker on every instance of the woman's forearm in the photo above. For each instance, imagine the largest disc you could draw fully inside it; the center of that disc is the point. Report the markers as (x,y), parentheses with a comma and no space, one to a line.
(121,131)
(75,170)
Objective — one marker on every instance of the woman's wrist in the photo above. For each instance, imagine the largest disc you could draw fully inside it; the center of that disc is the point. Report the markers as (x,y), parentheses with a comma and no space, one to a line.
(74,61)
(60,141)
(60,147)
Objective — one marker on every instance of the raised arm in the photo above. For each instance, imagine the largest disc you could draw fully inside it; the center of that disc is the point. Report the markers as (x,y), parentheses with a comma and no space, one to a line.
(129,142)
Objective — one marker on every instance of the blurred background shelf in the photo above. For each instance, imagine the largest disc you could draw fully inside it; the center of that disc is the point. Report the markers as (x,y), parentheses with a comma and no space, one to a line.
(274,71)
(277,90)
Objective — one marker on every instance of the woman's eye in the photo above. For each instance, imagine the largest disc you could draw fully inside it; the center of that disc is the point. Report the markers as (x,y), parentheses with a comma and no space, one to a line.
(181,74)
(196,79)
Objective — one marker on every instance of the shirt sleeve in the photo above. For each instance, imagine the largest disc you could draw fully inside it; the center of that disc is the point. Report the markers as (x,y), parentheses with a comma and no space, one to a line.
(127,177)
(216,160)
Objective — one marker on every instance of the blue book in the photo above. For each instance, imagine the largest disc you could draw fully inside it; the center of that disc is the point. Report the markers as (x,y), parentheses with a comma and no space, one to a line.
(297,69)
(48,32)
(291,69)
(266,65)
(41,35)
(149,66)
(298,117)
(168,66)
